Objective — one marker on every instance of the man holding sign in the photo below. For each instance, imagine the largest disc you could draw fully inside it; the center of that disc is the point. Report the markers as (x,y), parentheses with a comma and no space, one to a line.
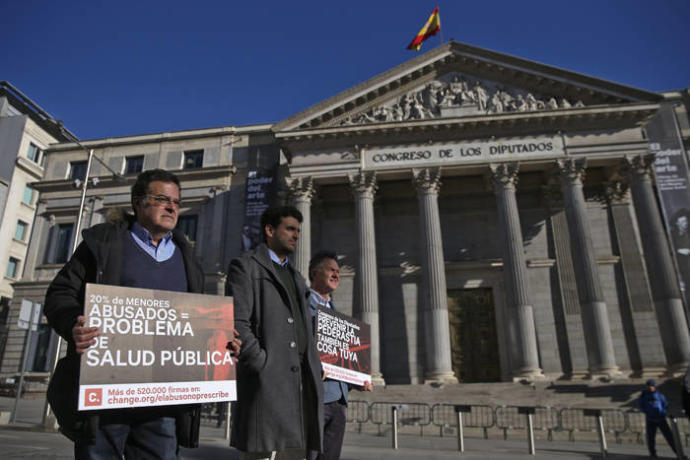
(324,275)
(143,251)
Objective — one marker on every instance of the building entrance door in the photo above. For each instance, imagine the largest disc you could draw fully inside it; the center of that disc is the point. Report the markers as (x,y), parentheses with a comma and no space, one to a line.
(473,339)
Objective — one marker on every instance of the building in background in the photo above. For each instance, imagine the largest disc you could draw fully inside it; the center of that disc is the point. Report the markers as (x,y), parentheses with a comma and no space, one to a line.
(26,131)
(495,218)
(205,161)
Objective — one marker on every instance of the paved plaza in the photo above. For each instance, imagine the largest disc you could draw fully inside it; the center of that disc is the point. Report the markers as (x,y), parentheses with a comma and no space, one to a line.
(22,443)
(22,440)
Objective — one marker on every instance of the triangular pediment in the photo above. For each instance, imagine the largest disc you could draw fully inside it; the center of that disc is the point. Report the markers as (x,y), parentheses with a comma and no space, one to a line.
(457,80)
(457,95)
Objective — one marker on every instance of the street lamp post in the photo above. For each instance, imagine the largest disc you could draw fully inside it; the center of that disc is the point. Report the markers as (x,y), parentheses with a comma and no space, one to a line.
(49,420)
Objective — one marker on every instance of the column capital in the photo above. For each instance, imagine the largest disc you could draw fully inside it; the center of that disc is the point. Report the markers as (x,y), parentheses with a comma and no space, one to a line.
(639,167)
(300,188)
(572,170)
(363,183)
(616,191)
(503,176)
(427,180)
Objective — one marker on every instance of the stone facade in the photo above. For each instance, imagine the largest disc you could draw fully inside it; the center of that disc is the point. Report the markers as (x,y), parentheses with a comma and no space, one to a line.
(494,217)
(26,131)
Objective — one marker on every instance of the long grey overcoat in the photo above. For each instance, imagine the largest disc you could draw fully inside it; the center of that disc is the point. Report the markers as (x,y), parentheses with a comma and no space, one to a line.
(268,412)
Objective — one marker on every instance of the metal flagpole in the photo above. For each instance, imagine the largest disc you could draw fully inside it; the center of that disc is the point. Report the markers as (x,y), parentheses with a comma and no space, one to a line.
(83,201)
(48,419)
(440,28)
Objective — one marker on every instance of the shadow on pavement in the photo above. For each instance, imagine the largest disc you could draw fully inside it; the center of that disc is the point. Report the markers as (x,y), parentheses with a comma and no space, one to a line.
(597,455)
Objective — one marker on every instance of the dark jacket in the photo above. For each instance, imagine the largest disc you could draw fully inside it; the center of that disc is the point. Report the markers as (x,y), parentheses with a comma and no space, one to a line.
(653,404)
(97,260)
(268,412)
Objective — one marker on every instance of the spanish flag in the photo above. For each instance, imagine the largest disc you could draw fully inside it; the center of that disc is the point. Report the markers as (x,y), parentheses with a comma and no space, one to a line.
(432,26)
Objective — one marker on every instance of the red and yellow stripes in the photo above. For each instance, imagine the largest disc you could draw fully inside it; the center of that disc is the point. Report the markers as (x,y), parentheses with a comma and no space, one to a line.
(432,27)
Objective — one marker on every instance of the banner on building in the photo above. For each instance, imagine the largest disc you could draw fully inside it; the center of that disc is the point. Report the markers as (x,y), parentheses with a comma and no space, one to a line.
(344,346)
(260,193)
(671,171)
(156,348)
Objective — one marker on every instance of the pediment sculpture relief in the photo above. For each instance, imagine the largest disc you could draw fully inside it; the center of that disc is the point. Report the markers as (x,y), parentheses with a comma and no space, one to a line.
(456,97)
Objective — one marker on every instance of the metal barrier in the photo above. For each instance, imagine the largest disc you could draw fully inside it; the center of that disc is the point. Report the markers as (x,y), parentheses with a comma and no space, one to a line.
(636,425)
(508,418)
(616,422)
(357,412)
(546,418)
(443,416)
(543,419)
(684,426)
(573,420)
(415,414)
(213,414)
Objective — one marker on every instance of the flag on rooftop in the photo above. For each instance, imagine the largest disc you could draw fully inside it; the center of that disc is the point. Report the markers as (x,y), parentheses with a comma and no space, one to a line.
(432,27)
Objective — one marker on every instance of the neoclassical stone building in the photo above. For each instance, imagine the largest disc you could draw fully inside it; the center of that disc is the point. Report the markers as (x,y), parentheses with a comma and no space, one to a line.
(495,218)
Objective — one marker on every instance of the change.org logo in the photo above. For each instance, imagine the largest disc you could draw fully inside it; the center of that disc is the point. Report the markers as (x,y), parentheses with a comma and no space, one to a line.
(93,397)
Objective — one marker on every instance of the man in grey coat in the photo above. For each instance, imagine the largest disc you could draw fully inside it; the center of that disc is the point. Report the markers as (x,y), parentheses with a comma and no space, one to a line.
(279,408)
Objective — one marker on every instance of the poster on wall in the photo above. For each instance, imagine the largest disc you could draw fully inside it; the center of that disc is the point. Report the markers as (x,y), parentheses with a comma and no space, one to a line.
(671,171)
(156,348)
(261,190)
(344,346)
(260,193)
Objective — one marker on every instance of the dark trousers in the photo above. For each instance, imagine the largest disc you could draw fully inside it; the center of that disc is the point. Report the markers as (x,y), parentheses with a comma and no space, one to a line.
(131,436)
(662,424)
(222,408)
(334,420)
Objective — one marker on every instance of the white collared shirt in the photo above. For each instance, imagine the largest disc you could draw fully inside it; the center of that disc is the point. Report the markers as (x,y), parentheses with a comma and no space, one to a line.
(274,257)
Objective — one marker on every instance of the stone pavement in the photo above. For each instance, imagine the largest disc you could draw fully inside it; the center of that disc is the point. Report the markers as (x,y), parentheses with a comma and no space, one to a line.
(39,445)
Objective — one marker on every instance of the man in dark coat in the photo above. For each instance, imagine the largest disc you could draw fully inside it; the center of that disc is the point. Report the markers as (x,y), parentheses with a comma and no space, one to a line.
(145,252)
(279,409)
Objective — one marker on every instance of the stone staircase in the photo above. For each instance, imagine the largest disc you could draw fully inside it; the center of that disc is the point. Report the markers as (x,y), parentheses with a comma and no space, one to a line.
(618,394)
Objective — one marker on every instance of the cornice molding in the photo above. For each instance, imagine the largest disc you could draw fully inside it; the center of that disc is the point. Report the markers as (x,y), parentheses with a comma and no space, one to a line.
(472,127)
(173,136)
(109,181)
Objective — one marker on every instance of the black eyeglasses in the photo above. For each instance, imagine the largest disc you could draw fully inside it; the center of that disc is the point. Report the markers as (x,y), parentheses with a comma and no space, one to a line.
(164,200)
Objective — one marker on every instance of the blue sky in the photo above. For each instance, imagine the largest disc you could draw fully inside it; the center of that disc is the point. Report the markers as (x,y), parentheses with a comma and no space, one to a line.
(108,68)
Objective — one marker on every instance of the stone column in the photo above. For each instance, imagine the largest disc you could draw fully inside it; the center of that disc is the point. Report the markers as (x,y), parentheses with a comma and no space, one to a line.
(301,191)
(438,364)
(39,233)
(662,275)
(595,320)
(367,288)
(522,335)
